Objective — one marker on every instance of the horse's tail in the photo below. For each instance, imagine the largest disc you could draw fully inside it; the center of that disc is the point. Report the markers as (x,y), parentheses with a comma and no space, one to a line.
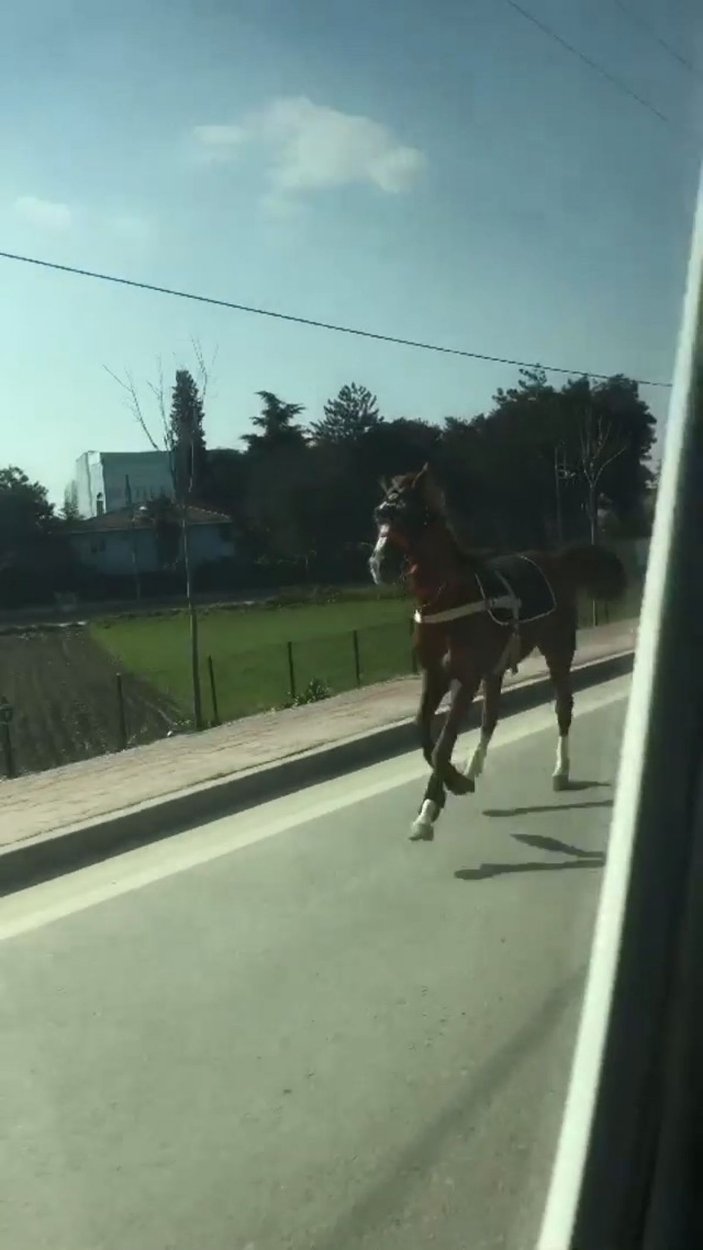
(595,570)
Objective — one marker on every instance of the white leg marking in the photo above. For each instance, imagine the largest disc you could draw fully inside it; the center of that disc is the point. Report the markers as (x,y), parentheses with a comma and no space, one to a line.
(423,823)
(560,776)
(474,767)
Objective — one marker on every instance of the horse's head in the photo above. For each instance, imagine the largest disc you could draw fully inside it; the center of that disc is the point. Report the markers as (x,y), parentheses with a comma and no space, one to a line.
(410,505)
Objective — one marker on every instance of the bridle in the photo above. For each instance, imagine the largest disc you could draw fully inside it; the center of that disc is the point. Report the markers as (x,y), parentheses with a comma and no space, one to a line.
(419,518)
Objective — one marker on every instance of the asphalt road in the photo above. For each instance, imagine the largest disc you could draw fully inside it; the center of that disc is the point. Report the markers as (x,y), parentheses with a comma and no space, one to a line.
(296,1028)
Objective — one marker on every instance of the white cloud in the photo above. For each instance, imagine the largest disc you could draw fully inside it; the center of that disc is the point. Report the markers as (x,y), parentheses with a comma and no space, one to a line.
(47,214)
(311,147)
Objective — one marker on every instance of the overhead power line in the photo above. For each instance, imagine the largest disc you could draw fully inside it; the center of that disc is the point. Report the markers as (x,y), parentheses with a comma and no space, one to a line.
(640,21)
(312,321)
(594,65)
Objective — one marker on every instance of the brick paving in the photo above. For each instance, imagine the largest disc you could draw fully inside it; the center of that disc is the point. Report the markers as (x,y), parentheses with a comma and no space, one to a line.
(44,802)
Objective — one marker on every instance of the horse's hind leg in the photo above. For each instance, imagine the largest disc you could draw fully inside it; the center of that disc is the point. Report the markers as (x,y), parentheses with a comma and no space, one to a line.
(492,686)
(559,660)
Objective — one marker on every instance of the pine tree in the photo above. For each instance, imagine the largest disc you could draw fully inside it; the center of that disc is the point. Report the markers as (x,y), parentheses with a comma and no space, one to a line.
(276,426)
(186,437)
(348,417)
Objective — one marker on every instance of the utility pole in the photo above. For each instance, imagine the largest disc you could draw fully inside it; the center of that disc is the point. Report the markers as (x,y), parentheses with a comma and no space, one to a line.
(192,610)
(135,560)
(557,494)
(561,474)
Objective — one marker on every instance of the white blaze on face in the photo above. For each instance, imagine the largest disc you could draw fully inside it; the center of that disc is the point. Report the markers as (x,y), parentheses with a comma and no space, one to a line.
(377,554)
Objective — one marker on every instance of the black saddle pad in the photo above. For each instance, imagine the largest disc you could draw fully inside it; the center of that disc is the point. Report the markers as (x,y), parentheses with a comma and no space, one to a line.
(521,577)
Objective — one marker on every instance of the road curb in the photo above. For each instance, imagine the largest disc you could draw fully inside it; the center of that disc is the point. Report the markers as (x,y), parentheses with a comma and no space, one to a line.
(65,850)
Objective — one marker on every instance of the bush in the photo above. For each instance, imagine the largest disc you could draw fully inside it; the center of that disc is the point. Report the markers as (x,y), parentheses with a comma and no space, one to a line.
(315,691)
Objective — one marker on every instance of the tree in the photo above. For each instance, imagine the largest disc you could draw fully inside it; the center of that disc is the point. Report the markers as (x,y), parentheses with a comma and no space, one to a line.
(275,426)
(280,511)
(599,447)
(228,473)
(597,419)
(183,438)
(348,417)
(27,517)
(186,437)
(70,511)
(517,474)
(35,558)
(271,469)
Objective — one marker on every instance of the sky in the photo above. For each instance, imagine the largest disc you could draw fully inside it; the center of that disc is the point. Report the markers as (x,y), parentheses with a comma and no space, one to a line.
(446,173)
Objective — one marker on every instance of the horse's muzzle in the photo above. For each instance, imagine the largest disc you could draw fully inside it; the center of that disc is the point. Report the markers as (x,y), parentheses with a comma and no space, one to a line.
(387,562)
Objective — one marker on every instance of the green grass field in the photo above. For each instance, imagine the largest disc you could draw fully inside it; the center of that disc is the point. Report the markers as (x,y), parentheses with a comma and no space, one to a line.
(250,653)
(249,650)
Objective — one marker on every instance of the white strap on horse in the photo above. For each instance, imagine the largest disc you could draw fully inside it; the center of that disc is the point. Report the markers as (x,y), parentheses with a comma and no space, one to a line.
(510,654)
(467,609)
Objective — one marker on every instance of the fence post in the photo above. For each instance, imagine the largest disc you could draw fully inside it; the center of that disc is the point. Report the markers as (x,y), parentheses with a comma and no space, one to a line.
(6,712)
(291,670)
(357,658)
(121,721)
(213,691)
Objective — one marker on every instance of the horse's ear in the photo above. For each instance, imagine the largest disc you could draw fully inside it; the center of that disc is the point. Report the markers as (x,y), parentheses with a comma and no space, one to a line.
(383,483)
(431,490)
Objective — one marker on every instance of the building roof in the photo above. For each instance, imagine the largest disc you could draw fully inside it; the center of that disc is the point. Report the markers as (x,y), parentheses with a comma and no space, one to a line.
(140,516)
(150,453)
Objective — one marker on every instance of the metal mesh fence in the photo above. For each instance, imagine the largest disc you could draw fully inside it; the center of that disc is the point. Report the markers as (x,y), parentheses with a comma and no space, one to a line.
(77,692)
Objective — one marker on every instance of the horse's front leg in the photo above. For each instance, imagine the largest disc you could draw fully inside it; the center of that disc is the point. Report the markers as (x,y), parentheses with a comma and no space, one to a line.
(462,698)
(435,682)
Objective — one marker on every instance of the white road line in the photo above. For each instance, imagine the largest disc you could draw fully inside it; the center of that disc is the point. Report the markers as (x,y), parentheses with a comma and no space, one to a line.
(53,900)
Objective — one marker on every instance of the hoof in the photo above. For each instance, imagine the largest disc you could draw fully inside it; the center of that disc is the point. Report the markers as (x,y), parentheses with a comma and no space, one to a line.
(422,831)
(455,782)
(560,782)
(458,783)
(463,785)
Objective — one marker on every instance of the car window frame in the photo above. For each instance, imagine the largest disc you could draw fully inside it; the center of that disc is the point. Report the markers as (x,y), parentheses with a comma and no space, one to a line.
(605,1189)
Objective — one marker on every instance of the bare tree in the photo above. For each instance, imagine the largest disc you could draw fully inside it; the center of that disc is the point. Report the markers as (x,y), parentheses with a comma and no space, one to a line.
(599,445)
(164,441)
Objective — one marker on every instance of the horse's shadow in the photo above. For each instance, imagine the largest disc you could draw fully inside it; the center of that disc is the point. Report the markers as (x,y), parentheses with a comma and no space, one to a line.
(572,787)
(579,858)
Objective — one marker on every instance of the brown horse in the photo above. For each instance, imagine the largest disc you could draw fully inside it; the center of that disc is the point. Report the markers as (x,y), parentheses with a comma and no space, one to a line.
(475,618)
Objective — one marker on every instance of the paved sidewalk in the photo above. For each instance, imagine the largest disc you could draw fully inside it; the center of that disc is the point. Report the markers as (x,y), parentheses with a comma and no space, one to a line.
(43,802)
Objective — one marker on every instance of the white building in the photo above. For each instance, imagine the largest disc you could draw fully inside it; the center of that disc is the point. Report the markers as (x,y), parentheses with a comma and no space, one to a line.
(107,481)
